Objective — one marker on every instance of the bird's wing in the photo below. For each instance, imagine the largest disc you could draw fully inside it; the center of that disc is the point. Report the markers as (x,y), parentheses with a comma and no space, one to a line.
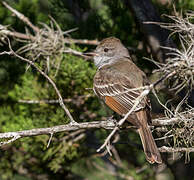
(119,85)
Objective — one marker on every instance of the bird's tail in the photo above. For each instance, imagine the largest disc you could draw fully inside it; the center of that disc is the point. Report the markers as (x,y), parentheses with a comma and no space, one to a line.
(149,145)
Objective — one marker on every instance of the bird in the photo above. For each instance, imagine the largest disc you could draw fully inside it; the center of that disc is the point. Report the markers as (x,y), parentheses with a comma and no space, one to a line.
(117,82)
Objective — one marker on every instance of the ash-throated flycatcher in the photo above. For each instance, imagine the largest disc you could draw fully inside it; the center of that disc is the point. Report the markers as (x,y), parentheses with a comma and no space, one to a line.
(116,81)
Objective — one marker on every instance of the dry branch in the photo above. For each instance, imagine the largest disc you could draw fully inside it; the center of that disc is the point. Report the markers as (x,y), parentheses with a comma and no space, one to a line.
(11,52)
(46,45)
(180,62)
(81,41)
(178,149)
(185,116)
(14,34)
(21,17)
(108,124)
(22,36)
(12,136)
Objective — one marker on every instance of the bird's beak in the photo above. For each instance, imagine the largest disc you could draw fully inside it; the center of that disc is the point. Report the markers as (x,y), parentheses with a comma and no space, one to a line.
(90,54)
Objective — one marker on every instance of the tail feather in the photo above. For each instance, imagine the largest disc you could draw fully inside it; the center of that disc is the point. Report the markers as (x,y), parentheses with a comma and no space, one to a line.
(149,145)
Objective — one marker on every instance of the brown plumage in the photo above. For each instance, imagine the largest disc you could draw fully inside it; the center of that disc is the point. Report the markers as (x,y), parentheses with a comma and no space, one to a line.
(116,82)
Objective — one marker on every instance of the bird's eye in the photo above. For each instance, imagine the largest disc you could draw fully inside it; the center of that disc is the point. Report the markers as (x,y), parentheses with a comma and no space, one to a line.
(106,49)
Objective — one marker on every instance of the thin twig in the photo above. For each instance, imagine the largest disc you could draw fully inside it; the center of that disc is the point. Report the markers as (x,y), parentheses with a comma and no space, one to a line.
(178,149)
(17,34)
(165,121)
(137,101)
(76,53)
(51,135)
(81,41)
(32,38)
(49,80)
(21,16)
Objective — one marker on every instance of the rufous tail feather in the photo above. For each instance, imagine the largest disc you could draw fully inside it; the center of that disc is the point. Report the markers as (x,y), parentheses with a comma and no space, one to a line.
(150,149)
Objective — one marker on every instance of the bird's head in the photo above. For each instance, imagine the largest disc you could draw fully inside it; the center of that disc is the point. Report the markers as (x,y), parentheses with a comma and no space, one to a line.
(109,51)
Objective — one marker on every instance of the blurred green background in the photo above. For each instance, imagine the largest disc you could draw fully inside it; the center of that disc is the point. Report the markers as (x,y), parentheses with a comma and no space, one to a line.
(29,158)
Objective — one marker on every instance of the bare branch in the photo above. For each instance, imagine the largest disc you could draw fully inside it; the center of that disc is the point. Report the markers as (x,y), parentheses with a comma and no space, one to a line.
(165,121)
(76,53)
(180,62)
(172,150)
(48,78)
(21,16)
(47,45)
(81,41)
(5,31)
(55,129)
(185,116)
(108,124)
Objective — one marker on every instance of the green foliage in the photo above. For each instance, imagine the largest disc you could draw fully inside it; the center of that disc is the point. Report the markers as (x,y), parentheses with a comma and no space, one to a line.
(29,158)
(30,9)
(74,76)
(32,154)
(88,168)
